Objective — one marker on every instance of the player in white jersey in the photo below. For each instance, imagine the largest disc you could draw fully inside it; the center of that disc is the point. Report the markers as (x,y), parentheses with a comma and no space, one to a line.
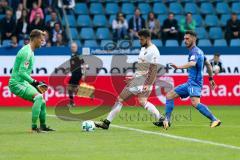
(141,83)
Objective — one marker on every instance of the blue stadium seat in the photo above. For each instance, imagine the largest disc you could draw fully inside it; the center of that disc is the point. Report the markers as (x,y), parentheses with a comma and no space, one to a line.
(211,20)
(198,19)
(2,15)
(90,43)
(157,42)
(74,33)
(128,17)
(112,8)
(84,21)
(159,8)
(81,8)
(191,7)
(136,44)
(179,18)
(201,33)
(6,43)
(222,8)
(204,43)
(207,8)
(220,43)
(105,42)
(71,20)
(128,8)
(176,8)
(21,42)
(47,18)
(215,33)
(161,18)
(100,21)
(224,19)
(171,43)
(144,8)
(96,8)
(236,7)
(235,43)
(87,33)
(111,18)
(103,33)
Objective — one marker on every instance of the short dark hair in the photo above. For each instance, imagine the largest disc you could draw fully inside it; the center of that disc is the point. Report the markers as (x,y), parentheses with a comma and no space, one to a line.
(36,33)
(145,33)
(192,33)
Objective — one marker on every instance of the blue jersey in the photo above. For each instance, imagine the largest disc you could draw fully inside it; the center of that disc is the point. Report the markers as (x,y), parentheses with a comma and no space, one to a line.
(195,74)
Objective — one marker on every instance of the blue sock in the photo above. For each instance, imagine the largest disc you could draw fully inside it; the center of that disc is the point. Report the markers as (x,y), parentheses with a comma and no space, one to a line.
(206,112)
(169,108)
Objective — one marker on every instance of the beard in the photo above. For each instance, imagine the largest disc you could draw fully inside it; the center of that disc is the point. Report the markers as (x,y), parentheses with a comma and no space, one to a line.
(189,45)
(144,45)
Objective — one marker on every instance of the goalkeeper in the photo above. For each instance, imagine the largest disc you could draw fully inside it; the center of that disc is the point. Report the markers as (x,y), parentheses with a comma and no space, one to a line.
(22,85)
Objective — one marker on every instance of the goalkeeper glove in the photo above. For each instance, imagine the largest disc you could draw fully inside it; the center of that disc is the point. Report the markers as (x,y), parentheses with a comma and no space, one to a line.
(40,86)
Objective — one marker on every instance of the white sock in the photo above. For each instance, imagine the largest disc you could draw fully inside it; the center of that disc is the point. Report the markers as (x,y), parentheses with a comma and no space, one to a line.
(115,110)
(153,110)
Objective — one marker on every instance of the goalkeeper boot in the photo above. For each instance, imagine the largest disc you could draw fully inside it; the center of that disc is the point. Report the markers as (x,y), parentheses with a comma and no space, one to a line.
(159,123)
(215,123)
(104,124)
(46,129)
(37,130)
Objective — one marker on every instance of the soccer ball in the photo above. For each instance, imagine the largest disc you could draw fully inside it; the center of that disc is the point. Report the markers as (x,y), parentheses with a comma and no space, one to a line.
(88,126)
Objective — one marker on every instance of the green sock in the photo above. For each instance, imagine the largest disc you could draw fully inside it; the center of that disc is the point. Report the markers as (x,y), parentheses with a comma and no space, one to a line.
(36,108)
(42,115)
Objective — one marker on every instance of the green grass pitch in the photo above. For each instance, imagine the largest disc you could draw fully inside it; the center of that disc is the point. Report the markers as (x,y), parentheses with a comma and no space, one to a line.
(70,143)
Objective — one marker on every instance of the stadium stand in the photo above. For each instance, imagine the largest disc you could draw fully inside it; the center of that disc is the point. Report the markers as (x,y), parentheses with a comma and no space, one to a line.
(92,19)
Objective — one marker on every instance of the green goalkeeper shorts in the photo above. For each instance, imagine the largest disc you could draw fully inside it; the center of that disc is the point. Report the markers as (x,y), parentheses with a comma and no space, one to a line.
(23,90)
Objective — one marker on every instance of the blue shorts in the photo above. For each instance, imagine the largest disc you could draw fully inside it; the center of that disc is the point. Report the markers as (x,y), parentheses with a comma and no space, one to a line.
(186,89)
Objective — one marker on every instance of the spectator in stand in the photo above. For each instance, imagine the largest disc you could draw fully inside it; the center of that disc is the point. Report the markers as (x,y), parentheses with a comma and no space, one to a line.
(136,23)
(28,4)
(14,42)
(232,28)
(68,5)
(119,27)
(187,23)
(170,28)
(37,23)
(4,6)
(153,25)
(8,25)
(48,6)
(56,30)
(36,10)
(22,29)
(48,42)
(59,41)
(50,23)
(217,64)
(19,11)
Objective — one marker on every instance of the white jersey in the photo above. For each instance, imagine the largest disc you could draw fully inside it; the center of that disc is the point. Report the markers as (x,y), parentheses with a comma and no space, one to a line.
(150,54)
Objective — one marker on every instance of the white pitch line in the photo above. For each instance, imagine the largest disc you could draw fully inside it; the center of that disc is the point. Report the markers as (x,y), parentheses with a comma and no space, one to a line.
(168,135)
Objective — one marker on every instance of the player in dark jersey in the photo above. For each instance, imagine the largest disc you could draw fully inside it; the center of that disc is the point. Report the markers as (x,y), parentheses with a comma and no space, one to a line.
(77,72)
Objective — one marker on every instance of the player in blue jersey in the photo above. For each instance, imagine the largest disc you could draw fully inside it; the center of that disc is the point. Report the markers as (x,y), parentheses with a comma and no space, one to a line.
(193,86)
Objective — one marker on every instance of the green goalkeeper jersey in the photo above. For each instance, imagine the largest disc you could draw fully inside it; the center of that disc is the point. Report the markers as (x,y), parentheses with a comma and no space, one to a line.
(23,65)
